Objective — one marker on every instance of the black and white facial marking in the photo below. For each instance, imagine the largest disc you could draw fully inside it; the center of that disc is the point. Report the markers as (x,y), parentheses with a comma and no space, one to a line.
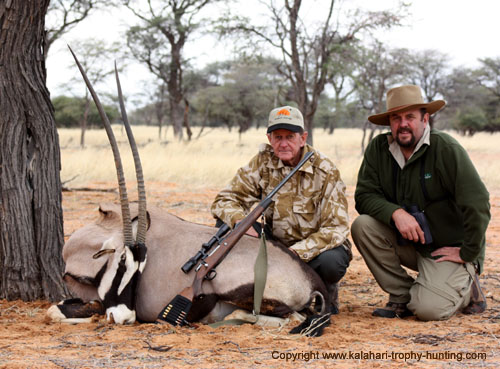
(118,284)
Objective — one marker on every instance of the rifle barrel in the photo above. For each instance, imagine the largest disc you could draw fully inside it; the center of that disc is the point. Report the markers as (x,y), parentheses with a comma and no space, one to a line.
(218,254)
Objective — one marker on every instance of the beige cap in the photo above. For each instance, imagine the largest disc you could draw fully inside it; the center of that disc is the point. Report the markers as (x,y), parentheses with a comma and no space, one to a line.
(286,117)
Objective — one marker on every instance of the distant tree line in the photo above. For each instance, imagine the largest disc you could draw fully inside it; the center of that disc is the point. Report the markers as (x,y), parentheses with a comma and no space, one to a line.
(336,72)
(69,111)
(239,94)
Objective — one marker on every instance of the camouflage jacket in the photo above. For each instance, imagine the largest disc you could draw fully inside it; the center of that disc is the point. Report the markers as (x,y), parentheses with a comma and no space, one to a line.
(309,213)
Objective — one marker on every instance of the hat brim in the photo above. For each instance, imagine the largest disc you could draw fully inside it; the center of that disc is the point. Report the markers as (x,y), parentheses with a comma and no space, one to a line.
(383,118)
(289,127)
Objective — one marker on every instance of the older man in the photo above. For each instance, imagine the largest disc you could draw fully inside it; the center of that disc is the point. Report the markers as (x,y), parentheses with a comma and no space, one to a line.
(424,207)
(309,214)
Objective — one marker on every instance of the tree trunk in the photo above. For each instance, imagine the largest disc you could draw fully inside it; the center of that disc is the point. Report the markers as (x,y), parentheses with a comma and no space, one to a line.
(83,123)
(308,126)
(159,110)
(31,221)
(186,119)
(176,118)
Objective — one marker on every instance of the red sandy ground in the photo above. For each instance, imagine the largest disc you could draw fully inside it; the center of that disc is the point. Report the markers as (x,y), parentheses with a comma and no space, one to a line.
(29,339)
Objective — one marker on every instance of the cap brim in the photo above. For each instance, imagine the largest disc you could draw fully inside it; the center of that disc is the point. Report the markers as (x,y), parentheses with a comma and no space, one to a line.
(289,127)
(383,118)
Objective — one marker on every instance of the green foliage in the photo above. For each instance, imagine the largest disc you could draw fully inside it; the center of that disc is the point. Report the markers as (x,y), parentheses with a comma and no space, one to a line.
(471,105)
(68,112)
(242,93)
(493,125)
(471,121)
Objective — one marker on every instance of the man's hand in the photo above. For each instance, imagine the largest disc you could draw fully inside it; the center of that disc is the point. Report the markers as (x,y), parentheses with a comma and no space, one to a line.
(408,226)
(448,254)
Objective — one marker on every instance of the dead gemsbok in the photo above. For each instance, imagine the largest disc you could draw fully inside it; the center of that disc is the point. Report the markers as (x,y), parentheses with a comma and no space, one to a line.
(107,268)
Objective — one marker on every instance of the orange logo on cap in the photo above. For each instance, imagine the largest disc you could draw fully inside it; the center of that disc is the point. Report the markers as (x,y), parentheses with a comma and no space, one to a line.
(283,112)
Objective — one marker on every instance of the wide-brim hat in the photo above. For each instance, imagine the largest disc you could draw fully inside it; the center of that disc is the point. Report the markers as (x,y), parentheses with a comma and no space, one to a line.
(286,117)
(405,98)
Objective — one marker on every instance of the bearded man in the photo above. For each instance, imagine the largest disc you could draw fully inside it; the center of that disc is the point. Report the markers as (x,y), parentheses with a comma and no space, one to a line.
(423,206)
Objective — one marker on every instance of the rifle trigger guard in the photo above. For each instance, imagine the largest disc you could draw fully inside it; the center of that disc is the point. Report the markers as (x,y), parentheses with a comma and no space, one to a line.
(211,275)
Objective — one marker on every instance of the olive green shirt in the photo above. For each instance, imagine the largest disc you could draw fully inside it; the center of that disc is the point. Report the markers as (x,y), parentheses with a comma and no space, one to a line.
(440,179)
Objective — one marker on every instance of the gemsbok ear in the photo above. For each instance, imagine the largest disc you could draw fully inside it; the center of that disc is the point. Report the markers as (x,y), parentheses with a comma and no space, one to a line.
(100,253)
(148,220)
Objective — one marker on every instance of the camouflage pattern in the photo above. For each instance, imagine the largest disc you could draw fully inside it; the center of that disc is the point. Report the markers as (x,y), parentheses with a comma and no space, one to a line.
(309,213)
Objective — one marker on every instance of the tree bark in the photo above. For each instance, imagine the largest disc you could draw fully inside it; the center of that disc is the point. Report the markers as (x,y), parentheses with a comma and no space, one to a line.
(186,119)
(83,123)
(31,221)
(174,84)
(175,118)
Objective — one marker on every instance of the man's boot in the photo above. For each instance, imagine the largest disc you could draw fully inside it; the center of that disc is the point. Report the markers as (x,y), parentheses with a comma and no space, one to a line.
(333,290)
(477,303)
(393,310)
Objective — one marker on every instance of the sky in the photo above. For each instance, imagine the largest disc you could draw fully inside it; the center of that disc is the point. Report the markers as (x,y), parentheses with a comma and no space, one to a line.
(464,30)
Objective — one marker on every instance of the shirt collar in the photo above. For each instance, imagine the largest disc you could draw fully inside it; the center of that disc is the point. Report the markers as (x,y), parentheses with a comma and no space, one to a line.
(396,150)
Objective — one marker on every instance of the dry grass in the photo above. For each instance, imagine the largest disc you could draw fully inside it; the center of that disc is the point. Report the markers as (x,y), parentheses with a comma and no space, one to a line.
(212,159)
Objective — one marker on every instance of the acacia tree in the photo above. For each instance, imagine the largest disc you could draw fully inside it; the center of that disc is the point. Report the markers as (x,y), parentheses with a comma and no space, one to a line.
(31,222)
(243,95)
(378,69)
(427,69)
(307,50)
(488,75)
(341,78)
(159,98)
(464,98)
(64,15)
(154,105)
(96,57)
(158,42)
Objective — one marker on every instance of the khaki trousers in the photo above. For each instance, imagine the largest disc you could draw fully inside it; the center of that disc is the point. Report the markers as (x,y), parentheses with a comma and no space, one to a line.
(439,291)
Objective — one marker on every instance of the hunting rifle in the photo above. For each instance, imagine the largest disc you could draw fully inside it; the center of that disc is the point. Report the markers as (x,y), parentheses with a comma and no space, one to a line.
(176,311)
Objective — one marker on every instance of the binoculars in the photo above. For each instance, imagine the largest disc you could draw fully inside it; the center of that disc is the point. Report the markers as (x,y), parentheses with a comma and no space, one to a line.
(421,220)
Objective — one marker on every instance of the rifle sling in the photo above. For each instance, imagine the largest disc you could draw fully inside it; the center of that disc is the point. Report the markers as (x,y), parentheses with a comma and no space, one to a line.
(260,274)
(260,277)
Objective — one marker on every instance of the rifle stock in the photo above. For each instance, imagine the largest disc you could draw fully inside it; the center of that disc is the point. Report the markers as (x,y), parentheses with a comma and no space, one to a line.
(176,311)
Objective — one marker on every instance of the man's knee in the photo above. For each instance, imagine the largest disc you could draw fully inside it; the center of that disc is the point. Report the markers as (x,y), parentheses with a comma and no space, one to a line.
(367,231)
(360,225)
(428,310)
(332,264)
(428,305)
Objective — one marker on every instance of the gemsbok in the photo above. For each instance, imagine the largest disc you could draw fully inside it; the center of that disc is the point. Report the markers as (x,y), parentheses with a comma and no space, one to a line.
(128,263)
